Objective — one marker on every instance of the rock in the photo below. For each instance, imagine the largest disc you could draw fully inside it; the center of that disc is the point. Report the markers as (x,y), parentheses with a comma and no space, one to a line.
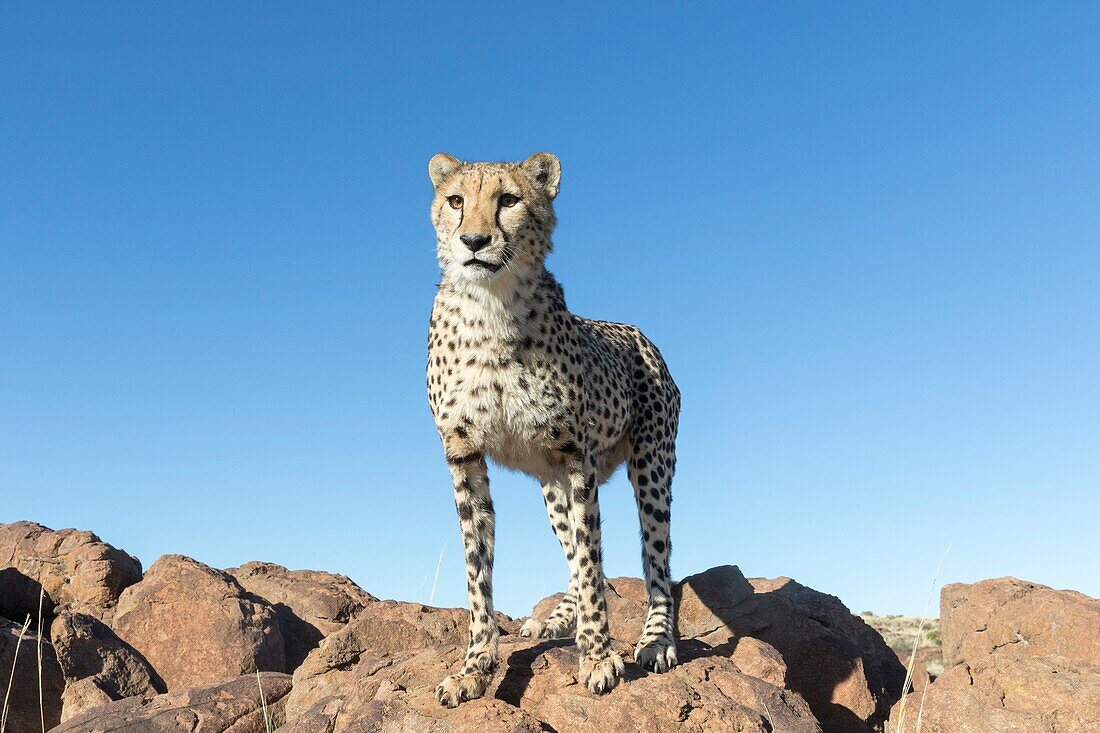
(1040,621)
(350,686)
(1019,657)
(389,713)
(197,626)
(98,666)
(708,691)
(308,604)
(232,706)
(839,664)
(1006,694)
(78,571)
(842,666)
(386,628)
(25,715)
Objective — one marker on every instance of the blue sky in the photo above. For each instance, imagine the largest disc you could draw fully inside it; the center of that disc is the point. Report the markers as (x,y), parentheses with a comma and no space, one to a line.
(865,236)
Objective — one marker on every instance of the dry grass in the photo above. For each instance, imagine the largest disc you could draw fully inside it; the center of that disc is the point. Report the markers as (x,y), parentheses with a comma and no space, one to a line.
(15,665)
(269,720)
(41,700)
(918,638)
(11,679)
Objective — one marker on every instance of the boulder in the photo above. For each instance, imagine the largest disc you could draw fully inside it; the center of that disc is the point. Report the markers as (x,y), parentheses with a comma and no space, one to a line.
(1006,694)
(842,666)
(24,714)
(1019,657)
(1035,620)
(78,572)
(839,664)
(231,706)
(197,626)
(309,605)
(98,666)
(380,674)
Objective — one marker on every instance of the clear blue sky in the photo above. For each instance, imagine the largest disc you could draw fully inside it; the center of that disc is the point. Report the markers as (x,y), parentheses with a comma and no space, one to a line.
(866,238)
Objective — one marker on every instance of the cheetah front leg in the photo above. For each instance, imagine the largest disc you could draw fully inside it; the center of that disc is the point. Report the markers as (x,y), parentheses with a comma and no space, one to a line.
(600,667)
(562,621)
(477,521)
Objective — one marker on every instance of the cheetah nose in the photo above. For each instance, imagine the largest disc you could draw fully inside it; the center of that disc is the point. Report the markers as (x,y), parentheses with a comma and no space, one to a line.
(476,242)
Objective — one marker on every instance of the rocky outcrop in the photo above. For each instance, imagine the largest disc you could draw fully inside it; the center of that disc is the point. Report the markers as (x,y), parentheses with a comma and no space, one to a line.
(309,605)
(78,572)
(24,714)
(98,666)
(737,643)
(232,706)
(1018,657)
(756,655)
(197,625)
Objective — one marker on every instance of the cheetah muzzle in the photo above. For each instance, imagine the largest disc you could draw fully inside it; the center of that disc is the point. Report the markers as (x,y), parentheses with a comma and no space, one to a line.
(515,377)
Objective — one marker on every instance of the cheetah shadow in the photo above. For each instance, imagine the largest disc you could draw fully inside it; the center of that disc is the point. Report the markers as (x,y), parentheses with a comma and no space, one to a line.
(523,666)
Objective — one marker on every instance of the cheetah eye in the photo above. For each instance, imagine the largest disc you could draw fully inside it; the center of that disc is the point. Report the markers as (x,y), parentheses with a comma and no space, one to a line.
(455,202)
(509,200)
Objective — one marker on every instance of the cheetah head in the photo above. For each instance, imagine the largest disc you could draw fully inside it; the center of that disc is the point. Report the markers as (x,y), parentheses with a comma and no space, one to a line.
(493,220)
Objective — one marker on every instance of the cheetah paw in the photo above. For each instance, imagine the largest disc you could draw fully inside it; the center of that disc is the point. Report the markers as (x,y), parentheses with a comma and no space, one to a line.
(601,674)
(458,688)
(658,655)
(557,628)
(532,628)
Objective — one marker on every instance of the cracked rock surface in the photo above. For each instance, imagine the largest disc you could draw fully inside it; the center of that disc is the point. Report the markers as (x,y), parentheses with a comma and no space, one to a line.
(1019,657)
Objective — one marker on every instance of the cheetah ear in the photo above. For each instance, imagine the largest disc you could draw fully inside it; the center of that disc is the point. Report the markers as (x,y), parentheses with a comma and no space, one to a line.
(441,166)
(545,170)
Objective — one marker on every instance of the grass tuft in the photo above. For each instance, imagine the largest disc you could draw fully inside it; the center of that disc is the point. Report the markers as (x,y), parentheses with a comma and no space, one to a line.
(918,637)
(41,700)
(269,721)
(11,679)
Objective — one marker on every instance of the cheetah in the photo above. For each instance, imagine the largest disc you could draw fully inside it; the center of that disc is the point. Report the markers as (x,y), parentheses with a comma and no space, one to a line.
(513,376)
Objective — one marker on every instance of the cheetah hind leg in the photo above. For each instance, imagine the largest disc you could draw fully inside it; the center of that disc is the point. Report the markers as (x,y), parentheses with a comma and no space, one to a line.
(650,469)
(562,621)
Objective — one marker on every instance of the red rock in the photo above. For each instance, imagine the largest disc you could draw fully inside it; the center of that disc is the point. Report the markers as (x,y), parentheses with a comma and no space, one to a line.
(196,626)
(308,604)
(231,706)
(980,618)
(98,666)
(1019,658)
(78,571)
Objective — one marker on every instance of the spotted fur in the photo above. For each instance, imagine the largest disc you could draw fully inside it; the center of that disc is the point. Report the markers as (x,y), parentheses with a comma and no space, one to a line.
(515,377)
